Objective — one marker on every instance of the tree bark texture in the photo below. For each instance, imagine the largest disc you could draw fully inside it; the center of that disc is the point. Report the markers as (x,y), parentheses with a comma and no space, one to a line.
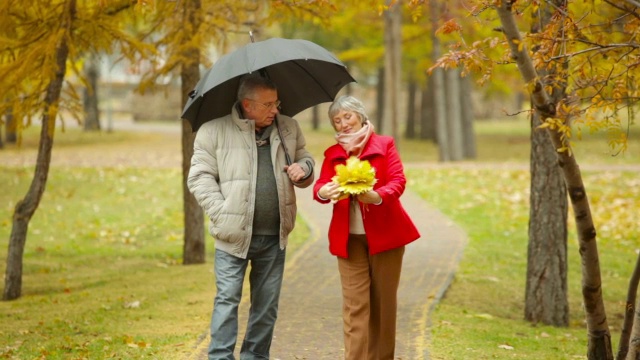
(10,128)
(630,349)
(380,101)
(392,57)
(26,207)
(546,297)
(438,90)
(90,96)
(466,113)
(194,249)
(427,115)
(454,112)
(546,287)
(599,342)
(412,93)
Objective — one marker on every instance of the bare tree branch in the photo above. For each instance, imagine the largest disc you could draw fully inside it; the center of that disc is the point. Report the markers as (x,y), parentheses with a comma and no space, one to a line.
(632,2)
(599,48)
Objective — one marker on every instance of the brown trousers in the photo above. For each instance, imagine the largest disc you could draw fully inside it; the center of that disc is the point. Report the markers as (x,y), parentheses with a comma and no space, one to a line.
(369,300)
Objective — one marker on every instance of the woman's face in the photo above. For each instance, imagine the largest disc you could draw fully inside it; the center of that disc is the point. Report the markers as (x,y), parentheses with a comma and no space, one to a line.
(346,122)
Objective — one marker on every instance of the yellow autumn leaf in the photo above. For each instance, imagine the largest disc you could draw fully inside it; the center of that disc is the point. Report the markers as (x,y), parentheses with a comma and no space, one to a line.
(355,177)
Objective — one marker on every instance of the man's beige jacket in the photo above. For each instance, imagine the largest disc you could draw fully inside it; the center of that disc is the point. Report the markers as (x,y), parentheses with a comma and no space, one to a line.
(222,177)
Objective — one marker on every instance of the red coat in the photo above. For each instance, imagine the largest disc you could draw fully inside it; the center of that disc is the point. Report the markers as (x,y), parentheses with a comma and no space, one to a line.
(387,225)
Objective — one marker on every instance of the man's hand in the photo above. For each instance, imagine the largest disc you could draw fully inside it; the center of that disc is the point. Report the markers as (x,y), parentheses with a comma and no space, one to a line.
(295,172)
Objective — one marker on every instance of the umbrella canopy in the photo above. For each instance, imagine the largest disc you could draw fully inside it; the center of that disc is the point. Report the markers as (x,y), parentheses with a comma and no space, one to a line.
(305,73)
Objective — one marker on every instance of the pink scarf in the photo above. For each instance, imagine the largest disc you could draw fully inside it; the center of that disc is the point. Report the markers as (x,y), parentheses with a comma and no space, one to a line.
(353,143)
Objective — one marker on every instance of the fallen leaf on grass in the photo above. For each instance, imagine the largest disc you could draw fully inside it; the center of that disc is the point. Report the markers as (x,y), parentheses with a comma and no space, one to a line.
(506,347)
(135,344)
(139,344)
(132,305)
(484,316)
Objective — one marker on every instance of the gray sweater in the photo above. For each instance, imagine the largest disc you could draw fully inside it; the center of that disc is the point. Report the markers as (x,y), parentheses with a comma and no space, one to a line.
(266,218)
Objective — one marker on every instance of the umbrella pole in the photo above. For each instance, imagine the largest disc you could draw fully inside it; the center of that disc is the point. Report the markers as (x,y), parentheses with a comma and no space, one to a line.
(263,72)
(284,147)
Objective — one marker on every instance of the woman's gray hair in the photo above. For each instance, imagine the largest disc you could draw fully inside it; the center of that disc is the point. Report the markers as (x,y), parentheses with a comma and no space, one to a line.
(348,103)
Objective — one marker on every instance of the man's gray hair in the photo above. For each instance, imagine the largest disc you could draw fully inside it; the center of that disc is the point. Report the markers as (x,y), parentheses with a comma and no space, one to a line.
(348,103)
(252,82)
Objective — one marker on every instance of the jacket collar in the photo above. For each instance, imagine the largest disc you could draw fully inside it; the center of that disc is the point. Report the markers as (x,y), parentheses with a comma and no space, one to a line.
(237,118)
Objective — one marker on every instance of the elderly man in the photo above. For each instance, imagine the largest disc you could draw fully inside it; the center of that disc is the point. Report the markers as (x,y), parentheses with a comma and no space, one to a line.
(240,177)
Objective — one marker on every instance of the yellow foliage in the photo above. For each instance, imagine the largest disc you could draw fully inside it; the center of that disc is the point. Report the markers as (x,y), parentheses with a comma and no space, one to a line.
(591,68)
(36,29)
(355,177)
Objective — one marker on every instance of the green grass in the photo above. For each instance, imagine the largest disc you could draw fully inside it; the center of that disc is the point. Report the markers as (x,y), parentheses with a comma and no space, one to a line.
(484,308)
(102,273)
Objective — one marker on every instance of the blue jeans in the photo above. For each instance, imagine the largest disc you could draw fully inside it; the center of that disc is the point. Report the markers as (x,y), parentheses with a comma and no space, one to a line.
(265,280)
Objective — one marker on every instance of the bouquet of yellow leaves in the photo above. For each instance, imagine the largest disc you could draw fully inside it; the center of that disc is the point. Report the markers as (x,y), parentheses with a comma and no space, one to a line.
(355,177)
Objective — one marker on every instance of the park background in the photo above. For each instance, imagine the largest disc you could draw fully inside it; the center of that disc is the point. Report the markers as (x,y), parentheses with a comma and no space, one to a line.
(103,269)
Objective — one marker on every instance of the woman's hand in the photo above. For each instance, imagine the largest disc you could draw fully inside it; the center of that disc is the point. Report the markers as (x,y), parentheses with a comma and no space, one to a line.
(331,191)
(370,197)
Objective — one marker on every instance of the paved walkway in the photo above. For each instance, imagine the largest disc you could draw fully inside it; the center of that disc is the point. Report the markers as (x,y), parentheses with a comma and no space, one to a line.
(310,323)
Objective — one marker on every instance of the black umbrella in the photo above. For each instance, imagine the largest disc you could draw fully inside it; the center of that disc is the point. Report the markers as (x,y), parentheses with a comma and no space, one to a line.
(305,73)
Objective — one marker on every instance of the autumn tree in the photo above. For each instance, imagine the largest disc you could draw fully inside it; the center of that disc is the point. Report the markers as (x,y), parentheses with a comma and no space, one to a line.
(49,39)
(546,292)
(599,47)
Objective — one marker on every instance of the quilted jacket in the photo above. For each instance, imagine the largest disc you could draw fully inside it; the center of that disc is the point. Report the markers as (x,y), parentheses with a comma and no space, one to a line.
(222,177)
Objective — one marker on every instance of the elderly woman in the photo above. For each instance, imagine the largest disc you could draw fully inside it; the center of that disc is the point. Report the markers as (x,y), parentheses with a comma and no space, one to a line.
(367,233)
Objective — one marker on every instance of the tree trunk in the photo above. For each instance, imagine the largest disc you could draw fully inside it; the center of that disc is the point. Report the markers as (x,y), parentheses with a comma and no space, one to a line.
(439,100)
(454,111)
(90,96)
(599,345)
(546,289)
(546,297)
(466,114)
(631,349)
(194,237)
(412,93)
(380,101)
(26,207)
(393,48)
(634,344)
(10,127)
(427,114)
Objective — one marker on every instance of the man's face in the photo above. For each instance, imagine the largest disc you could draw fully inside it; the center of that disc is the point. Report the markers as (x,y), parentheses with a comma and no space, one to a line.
(262,107)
